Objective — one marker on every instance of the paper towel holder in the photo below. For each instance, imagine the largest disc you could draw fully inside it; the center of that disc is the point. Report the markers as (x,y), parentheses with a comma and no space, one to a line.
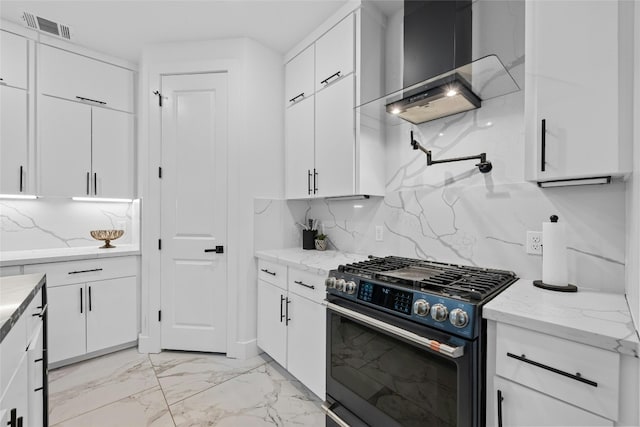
(565,288)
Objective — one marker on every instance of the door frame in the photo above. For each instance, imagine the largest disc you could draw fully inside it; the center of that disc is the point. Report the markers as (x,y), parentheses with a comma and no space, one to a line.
(150,156)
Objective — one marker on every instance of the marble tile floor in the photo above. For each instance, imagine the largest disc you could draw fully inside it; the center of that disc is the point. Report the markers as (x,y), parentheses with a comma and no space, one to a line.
(128,389)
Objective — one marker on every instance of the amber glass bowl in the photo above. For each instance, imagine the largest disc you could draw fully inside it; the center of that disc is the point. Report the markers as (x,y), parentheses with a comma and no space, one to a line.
(107,236)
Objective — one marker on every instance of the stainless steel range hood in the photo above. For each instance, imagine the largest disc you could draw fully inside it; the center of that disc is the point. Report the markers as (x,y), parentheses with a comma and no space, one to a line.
(438,74)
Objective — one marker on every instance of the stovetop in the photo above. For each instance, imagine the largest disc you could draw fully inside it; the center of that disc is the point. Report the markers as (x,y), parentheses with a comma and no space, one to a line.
(448,297)
(462,282)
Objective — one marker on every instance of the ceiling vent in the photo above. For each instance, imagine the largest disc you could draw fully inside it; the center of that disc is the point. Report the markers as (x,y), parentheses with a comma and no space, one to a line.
(46,26)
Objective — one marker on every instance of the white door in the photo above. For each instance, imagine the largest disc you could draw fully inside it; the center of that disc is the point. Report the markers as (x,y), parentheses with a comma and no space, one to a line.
(112,153)
(13,140)
(299,149)
(66,322)
(112,316)
(193,215)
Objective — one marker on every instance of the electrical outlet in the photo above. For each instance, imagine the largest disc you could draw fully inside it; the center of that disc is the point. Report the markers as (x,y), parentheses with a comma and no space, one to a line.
(534,242)
(379,233)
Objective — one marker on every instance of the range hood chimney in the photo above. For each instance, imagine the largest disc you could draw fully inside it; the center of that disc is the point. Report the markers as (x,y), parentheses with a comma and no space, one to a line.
(440,77)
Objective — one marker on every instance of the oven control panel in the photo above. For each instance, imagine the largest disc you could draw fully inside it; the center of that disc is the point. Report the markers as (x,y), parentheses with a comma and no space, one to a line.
(444,313)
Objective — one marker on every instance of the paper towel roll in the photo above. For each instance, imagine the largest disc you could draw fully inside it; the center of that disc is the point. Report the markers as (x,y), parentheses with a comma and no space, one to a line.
(554,253)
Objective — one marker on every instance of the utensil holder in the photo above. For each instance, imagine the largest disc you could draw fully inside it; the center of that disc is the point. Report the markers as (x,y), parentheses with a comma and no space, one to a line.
(308,239)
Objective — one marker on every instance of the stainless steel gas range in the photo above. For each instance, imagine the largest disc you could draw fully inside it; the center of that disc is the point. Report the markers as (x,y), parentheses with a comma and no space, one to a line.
(406,342)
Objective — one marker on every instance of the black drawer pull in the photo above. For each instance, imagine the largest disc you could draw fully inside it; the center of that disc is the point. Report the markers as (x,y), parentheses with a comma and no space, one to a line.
(543,140)
(85,271)
(38,389)
(37,360)
(298,282)
(296,97)
(267,271)
(81,98)
(326,81)
(576,377)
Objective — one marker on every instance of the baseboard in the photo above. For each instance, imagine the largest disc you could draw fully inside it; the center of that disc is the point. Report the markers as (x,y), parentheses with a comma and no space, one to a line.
(244,349)
(148,345)
(91,355)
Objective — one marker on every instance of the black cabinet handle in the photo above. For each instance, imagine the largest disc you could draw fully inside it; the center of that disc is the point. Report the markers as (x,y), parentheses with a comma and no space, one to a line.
(301,283)
(95,184)
(500,399)
(267,271)
(326,81)
(38,389)
(296,97)
(217,249)
(21,174)
(281,314)
(576,377)
(88,182)
(89,298)
(287,318)
(315,181)
(81,98)
(308,181)
(543,155)
(81,300)
(85,271)
(13,417)
(20,422)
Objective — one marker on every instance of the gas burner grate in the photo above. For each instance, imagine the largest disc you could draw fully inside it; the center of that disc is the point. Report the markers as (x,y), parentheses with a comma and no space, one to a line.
(457,281)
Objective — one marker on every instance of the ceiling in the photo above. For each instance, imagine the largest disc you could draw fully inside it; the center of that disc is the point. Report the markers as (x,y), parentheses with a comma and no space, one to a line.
(122,28)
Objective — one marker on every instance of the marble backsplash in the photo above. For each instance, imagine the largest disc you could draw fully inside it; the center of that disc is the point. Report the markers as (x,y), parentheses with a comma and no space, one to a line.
(62,223)
(453,213)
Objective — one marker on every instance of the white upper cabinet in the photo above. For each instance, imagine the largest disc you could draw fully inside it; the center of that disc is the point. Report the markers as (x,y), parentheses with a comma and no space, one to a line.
(13,140)
(299,77)
(13,60)
(576,90)
(335,54)
(299,134)
(335,139)
(64,147)
(72,76)
(112,153)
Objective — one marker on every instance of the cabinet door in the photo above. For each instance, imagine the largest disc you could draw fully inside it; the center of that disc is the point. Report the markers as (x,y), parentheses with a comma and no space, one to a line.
(13,140)
(306,347)
(335,53)
(112,153)
(36,378)
(73,76)
(299,77)
(112,316)
(335,139)
(272,331)
(299,136)
(13,60)
(521,406)
(64,147)
(66,322)
(573,86)
(16,394)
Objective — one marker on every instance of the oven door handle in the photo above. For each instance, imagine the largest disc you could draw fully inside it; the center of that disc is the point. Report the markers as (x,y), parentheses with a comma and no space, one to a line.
(453,352)
(327,410)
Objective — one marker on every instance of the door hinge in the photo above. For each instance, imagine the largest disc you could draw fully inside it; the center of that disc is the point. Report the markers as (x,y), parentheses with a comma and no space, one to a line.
(159,315)
(159,97)
(159,171)
(159,244)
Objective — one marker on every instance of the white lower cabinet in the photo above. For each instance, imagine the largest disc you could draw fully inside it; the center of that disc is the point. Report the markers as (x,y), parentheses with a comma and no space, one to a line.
(292,325)
(92,306)
(517,405)
(15,400)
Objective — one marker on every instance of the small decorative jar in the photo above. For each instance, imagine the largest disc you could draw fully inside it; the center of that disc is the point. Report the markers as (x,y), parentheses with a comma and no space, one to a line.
(321,242)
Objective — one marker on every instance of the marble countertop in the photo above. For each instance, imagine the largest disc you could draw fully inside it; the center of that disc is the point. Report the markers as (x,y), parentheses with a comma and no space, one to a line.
(39,256)
(595,318)
(16,292)
(318,262)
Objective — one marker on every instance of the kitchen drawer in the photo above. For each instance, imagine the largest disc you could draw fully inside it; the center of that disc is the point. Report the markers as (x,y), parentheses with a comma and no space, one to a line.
(559,368)
(273,273)
(306,284)
(12,270)
(65,273)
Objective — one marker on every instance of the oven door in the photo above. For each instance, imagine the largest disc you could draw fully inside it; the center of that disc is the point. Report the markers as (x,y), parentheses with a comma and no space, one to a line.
(386,371)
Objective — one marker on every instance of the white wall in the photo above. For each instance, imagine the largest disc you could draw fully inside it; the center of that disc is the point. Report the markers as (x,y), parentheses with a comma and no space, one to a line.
(255,167)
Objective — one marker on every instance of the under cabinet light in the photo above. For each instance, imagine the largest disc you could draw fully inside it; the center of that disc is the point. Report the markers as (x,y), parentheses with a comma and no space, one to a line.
(100,199)
(577,181)
(18,196)
(355,197)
